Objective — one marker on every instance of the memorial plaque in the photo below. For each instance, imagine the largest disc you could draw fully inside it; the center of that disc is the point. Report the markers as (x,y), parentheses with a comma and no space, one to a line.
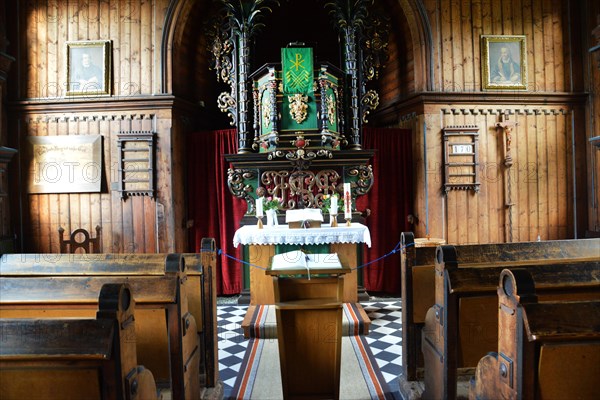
(65,164)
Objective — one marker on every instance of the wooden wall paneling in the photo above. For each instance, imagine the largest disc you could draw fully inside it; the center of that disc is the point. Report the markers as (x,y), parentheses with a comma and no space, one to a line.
(436,199)
(163,183)
(581,145)
(42,46)
(466,24)
(109,175)
(129,240)
(537,42)
(497,21)
(507,17)
(496,189)
(473,198)
(139,242)
(496,194)
(486,29)
(416,125)
(557,46)
(136,75)
(94,20)
(43,199)
(53,87)
(447,72)
(457,46)
(125,28)
(562,151)
(114,32)
(482,215)
(543,132)
(548,51)
(517,17)
(477,31)
(533,175)
(146,53)
(150,224)
(434,16)
(32,49)
(95,198)
(117,215)
(552,181)
(53,200)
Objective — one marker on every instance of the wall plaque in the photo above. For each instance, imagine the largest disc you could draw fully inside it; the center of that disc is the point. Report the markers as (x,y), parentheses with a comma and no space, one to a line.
(65,164)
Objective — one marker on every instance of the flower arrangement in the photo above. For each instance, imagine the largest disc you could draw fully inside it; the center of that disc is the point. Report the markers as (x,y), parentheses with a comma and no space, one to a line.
(272,203)
(327,202)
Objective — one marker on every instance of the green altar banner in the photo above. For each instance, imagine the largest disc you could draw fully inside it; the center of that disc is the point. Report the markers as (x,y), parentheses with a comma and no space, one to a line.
(297,74)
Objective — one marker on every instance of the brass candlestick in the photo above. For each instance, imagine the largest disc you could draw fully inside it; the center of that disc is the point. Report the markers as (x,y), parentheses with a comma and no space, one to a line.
(334,223)
(348,223)
(259,224)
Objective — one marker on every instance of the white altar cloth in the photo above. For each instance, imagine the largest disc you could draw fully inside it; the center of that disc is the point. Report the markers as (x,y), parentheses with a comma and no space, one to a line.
(281,234)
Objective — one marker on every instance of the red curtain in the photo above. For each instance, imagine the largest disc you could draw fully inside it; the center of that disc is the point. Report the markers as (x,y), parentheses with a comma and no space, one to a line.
(215,211)
(390,203)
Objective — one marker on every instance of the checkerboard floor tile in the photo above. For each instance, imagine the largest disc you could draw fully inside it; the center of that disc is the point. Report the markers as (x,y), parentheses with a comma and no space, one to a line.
(385,340)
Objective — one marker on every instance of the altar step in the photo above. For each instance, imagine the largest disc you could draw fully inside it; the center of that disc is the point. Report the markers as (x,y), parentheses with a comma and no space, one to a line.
(260,321)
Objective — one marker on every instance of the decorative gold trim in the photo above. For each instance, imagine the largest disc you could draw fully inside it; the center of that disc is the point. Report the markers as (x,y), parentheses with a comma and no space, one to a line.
(99,56)
(491,47)
(298,107)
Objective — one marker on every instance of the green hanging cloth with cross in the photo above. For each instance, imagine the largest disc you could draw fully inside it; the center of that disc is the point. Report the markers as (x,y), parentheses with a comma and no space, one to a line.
(297,63)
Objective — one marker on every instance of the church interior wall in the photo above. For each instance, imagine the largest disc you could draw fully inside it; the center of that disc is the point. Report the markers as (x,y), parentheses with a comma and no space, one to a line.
(433,80)
(548,190)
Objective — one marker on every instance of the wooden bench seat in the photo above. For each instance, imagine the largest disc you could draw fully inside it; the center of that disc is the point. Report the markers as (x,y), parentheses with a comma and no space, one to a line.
(166,331)
(75,358)
(462,325)
(545,350)
(418,283)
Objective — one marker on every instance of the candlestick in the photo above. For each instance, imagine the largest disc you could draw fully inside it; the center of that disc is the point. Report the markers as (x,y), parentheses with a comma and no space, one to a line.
(347,202)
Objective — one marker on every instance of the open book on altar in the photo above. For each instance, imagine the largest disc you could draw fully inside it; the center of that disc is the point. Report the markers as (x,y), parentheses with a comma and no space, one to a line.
(298,259)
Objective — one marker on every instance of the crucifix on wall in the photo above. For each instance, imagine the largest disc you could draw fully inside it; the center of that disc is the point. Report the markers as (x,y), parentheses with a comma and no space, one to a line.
(507,127)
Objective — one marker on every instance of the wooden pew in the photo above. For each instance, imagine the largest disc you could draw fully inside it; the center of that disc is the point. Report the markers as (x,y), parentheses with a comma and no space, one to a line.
(166,330)
(75,358)
(201,282)
(546,350)
(462,326)
(418,283)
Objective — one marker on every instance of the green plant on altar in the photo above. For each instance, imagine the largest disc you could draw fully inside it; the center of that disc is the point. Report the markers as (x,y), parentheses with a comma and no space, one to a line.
(326,203)
(272,203)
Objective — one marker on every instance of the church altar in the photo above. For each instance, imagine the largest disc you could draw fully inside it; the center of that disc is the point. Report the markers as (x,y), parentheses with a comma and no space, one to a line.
(343,240)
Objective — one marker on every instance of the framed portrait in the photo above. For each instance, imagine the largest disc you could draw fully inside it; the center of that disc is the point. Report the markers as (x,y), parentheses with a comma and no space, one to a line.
(503,62)
(88,68)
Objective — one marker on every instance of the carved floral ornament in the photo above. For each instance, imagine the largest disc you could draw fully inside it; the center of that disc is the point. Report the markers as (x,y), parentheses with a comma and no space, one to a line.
(298,107)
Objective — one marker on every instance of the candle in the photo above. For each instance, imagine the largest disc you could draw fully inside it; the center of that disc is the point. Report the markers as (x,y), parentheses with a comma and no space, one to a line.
(259,207)
(334,205)
(347,201)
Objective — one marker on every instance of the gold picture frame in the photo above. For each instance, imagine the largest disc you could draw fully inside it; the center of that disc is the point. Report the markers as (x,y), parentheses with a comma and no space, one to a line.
(503,62)
(88,68)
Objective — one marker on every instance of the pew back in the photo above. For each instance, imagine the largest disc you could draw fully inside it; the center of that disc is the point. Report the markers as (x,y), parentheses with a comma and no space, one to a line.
(201,283)
(75,358)
(545,349)
(462,326)
(418,279)
(167,332)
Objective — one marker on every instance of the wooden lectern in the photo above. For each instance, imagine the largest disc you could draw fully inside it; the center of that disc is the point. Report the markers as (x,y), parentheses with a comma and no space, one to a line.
(309,330)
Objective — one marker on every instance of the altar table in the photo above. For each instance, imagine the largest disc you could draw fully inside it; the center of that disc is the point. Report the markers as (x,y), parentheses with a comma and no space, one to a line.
(343,240)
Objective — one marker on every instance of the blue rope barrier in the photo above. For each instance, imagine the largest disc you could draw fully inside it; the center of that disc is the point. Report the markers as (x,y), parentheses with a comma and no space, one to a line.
(396,249)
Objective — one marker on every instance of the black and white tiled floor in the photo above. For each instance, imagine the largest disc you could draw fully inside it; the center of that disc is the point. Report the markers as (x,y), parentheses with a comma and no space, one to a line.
(385,340)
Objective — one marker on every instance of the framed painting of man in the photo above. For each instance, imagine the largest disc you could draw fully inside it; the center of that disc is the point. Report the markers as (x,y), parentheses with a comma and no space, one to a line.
(88,68)
(503,62)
